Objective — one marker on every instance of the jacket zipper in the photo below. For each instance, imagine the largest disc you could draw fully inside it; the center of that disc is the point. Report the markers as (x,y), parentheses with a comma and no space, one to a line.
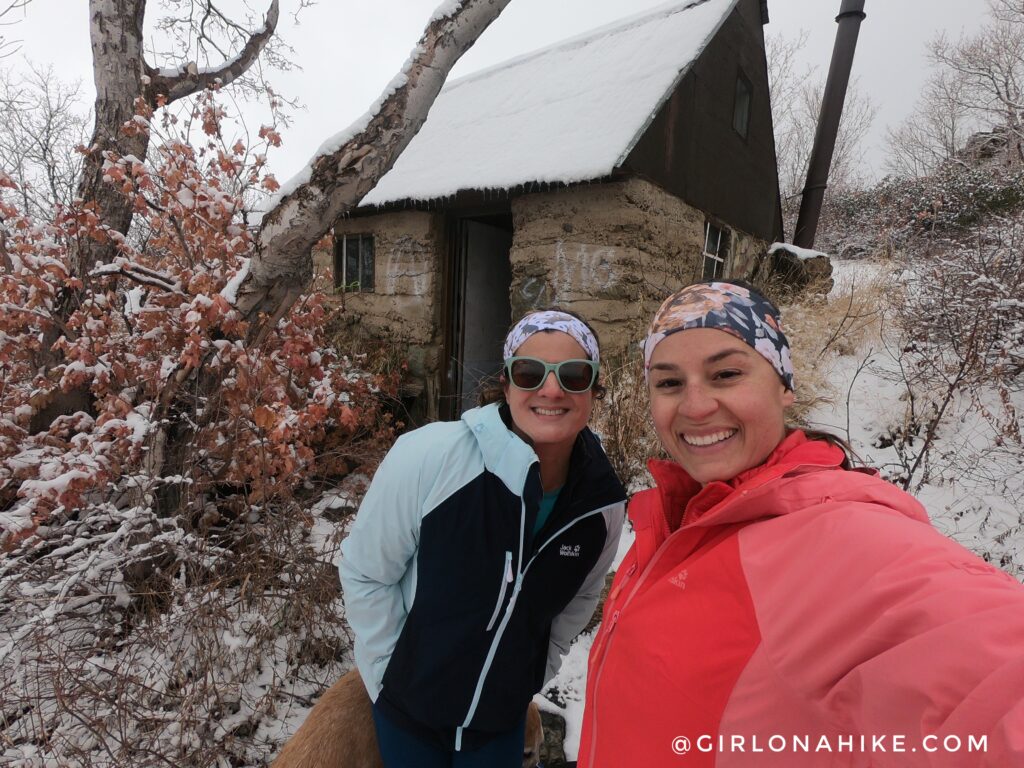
(501,628)
(520,573)
(603,649)
(606,644)
(605,636)
(506,579)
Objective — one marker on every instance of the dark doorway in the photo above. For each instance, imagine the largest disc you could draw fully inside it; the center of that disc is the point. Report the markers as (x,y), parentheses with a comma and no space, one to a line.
(479,309)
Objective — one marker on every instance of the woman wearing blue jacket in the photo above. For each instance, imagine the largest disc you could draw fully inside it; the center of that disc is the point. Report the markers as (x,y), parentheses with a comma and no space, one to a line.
(480,551)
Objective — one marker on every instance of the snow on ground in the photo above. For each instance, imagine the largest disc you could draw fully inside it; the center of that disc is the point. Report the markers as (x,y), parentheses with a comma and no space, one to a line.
(974,484)
(566,694)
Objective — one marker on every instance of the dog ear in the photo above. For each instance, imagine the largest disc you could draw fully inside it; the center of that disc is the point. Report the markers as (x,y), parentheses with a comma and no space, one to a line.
(534,737)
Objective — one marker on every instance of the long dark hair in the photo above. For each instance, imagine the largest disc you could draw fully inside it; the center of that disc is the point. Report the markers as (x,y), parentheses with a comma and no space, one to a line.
(492,389)
(850,457)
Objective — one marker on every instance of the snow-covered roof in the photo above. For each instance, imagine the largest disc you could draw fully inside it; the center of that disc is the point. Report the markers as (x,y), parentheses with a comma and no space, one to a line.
(570,112)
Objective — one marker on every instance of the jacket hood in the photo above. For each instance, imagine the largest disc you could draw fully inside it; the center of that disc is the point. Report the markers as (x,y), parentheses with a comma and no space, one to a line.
(798,474)
(505,455)
(508,457)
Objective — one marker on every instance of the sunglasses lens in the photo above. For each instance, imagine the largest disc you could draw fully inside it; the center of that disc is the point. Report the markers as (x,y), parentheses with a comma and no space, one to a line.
(575,376)
(527,374)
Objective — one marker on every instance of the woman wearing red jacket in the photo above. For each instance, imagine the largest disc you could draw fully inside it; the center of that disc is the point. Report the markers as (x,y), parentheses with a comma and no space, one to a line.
(779,608)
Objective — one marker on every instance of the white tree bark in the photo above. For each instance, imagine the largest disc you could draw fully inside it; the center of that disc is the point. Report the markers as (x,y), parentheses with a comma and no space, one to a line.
(282,267)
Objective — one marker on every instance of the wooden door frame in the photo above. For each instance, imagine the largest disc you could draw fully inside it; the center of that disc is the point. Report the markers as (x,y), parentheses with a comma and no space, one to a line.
(453,313)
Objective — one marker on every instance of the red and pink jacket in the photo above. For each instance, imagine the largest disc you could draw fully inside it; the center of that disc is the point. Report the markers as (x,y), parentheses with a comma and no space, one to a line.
(801,615)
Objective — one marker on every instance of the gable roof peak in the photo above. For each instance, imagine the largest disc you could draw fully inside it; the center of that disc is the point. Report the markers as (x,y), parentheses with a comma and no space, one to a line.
(565,113)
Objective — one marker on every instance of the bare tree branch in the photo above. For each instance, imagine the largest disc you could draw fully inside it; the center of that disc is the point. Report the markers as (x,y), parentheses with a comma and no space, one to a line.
(193,79)
(342,176)
(796,103)
(8,47)
(138,273)
(935,131)
(988,72)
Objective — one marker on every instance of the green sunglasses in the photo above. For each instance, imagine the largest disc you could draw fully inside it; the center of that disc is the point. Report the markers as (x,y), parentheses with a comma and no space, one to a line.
(529,373)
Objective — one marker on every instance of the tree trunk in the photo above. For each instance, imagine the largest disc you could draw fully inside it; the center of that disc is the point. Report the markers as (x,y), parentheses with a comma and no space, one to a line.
(282,267)
(124,82)
(118,68)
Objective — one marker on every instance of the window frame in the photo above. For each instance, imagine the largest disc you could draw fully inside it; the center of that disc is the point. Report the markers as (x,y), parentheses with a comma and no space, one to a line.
(742,81)
(365,261)
(719,256)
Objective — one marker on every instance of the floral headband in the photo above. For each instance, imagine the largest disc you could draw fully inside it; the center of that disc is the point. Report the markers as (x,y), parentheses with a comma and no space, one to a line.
(731,308)
(551,320)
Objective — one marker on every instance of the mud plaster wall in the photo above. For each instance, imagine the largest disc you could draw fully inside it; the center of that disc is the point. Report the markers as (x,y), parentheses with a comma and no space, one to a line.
(611,252)
(407,267)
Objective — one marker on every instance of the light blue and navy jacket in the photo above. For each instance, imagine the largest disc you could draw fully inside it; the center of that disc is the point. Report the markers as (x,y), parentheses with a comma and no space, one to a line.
(459,611)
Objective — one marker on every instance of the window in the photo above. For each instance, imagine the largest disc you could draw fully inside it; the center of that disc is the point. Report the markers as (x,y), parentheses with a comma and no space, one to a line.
(716,251)
(741,108)
(353,263)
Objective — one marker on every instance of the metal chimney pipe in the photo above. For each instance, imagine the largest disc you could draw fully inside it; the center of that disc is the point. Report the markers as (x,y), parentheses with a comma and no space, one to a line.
(851,14)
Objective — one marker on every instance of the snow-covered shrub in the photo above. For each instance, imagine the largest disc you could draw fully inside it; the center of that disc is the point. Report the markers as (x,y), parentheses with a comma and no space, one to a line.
(934,398)
(968,300)
(162,573)
(963,335)
(887,216)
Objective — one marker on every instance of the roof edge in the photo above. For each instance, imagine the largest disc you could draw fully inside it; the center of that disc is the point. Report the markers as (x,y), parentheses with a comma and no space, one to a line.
(665,9)
(487,195)
(675,83)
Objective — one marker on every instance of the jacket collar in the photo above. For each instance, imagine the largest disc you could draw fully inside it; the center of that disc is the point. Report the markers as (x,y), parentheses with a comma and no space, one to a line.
(792,479)
(504,454)
(509,458)
(686,502)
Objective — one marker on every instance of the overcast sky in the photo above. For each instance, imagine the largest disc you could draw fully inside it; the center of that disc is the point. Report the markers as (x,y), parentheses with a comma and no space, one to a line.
(350,49)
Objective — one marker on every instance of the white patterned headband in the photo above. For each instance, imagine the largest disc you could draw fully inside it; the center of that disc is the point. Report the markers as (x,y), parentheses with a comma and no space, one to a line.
(551,320)
(735,309)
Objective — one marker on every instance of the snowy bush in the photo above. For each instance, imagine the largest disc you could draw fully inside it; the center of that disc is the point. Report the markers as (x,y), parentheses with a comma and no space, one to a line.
(897,210)
(162,572)
(934,396)
(962,324)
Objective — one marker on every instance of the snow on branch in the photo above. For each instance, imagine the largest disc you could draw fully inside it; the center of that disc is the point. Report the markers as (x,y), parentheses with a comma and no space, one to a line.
(139,274)
(349,166)
(182,82)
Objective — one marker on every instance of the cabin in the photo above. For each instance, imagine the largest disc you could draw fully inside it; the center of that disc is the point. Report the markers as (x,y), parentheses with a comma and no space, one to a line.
(599,174)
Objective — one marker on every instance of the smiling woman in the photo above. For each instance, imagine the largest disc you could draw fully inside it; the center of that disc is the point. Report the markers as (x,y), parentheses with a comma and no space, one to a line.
(773,594)
(718,406)
(479,553)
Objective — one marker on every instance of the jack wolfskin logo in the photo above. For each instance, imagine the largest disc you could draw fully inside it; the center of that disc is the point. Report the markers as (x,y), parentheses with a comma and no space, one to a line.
(569,550)
(679,580)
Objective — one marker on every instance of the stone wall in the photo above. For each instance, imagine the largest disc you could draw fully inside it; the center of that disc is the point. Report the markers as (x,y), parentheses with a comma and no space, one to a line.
(402,309)
(747,253)
(611,252)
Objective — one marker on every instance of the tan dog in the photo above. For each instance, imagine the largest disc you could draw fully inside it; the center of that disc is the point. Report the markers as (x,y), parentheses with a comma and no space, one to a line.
(339,732)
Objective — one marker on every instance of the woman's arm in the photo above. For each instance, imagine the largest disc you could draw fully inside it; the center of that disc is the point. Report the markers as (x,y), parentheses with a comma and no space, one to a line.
(375,555)
(889,629)
(574,617)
